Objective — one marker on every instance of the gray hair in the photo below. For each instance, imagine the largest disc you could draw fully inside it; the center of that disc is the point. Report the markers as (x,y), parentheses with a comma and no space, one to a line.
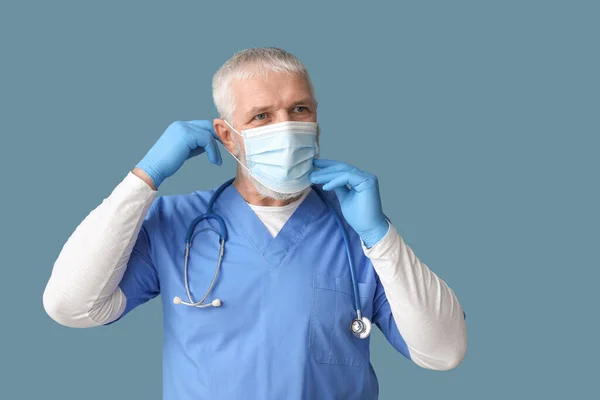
(250,63)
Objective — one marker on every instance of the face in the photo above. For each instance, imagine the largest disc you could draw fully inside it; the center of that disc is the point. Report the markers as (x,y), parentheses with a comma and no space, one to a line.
(268,100)
(261,101)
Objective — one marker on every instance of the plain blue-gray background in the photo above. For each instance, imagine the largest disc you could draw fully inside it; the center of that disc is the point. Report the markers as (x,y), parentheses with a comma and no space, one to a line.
(480,118)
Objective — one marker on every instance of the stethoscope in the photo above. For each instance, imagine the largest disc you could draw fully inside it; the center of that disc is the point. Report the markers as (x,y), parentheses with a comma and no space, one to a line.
(360,326)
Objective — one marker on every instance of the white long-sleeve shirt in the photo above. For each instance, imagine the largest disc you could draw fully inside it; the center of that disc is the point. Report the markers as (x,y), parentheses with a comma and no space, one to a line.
(83,290)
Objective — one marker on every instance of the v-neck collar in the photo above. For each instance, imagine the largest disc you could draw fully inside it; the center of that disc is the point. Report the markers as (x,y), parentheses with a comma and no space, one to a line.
(272,249)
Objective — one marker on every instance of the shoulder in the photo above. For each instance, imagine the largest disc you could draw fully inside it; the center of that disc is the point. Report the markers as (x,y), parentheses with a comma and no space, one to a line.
(180,206)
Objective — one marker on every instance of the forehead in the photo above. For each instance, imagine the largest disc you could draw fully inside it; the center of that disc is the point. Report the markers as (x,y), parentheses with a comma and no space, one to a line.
(275,89)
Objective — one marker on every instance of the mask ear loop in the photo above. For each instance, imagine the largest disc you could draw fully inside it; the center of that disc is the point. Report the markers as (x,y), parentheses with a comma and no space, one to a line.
(237,159)
(229,125)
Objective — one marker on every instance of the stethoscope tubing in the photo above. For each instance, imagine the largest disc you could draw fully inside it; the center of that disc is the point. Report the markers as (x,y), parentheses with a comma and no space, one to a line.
(340,224)
(223,237)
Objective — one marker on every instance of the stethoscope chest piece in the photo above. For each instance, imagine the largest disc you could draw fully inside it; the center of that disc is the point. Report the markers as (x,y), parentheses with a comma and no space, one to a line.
(361,327)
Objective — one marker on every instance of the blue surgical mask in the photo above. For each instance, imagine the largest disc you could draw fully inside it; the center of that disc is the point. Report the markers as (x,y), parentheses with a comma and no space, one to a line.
(280,156)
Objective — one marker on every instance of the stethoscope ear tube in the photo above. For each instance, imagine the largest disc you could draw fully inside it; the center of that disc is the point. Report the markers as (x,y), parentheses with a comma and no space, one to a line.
(200,304)
(214,303)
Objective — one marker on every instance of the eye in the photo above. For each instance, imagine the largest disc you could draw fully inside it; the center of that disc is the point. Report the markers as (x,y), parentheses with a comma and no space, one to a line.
(300,109)
(260,116)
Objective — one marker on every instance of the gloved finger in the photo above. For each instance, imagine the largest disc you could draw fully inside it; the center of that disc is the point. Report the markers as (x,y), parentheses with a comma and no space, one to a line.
(195,152)
(341,167)
(340,180)
(341,193)
(326,177)
(357,181)
(202,134)
(322,163)
(201,125)
(214,154)
(202,131)
(363,181)
(333,171)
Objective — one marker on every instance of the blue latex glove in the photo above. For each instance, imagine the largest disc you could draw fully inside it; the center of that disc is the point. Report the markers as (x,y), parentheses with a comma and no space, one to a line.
(360,203)
(180,141)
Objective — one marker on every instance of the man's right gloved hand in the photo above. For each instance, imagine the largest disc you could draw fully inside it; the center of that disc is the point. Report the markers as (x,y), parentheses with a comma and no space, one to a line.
(180,141)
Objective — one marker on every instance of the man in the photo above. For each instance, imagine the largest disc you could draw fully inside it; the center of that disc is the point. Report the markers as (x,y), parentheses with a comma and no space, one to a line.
(280,318)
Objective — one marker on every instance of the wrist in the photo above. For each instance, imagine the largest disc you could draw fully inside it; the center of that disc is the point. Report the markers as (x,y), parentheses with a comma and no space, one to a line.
(372,236)
(144,176)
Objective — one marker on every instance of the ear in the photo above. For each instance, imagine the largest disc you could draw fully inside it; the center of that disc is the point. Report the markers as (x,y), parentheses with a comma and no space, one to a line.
(225,134)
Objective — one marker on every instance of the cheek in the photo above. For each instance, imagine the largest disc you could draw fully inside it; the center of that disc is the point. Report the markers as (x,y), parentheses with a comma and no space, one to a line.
(238,147)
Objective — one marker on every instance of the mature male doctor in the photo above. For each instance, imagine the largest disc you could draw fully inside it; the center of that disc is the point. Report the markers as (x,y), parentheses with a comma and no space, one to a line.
(290,304)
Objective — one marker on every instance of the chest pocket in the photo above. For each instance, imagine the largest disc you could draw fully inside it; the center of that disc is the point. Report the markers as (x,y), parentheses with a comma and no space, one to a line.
(331,341)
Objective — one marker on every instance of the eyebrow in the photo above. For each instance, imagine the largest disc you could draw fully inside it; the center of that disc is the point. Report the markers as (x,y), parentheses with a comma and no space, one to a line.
(260,109)
(306,100)
(257,110)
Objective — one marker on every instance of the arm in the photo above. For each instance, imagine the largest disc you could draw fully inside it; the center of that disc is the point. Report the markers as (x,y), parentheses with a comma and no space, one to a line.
(105,269)
(426,312)
(429,324)
(83,287)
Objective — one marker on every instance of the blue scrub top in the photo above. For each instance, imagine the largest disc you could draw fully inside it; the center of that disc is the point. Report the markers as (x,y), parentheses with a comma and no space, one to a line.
(283,330)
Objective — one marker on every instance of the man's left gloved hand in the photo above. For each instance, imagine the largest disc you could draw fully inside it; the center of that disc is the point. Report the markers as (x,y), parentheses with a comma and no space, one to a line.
(358,194)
